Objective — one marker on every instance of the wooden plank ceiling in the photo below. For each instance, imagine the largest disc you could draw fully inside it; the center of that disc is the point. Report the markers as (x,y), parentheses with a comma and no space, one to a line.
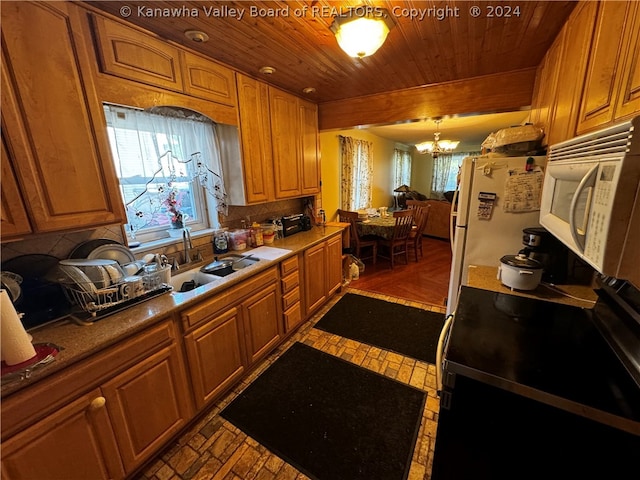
(305,53)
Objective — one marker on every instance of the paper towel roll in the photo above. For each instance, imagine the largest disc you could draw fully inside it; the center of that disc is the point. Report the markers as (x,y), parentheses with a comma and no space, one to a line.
(14,341)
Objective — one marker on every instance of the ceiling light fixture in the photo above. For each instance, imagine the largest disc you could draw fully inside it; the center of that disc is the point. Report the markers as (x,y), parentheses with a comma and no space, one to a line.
(361,31)
(438,146)
(196,36)
(267,70)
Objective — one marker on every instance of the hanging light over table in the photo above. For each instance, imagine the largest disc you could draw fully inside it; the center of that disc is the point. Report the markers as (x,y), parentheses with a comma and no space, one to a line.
(438,146)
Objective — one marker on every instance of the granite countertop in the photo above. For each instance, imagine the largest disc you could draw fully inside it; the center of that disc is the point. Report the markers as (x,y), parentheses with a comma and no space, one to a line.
(486,277)
(80,341)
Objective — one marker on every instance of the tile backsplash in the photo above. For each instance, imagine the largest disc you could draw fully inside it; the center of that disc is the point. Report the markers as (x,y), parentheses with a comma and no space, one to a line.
(60,245)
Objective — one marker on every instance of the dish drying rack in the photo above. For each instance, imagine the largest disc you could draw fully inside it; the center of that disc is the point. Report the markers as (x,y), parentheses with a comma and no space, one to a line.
(100,302)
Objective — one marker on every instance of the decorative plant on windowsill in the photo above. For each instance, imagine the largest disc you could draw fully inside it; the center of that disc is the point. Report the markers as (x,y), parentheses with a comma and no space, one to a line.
(172,202)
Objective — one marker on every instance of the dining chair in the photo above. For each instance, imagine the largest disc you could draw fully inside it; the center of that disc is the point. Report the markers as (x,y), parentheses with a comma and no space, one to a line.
(359,242)
(415,237)
(398,243)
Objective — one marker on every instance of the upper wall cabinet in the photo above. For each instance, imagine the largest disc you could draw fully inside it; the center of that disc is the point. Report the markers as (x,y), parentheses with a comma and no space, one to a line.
(612,85)
(13,216)
(129,53)
(255,130)
(294,131)
(51,120)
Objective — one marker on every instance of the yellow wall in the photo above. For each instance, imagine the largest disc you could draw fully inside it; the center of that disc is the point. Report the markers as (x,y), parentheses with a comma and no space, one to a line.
(331,172)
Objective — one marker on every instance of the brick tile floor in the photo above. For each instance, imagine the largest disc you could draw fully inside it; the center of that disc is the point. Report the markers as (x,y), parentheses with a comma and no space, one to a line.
(215,449)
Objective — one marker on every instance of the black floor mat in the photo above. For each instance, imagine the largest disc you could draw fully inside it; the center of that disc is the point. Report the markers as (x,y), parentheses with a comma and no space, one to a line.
(329,418)
(410,331)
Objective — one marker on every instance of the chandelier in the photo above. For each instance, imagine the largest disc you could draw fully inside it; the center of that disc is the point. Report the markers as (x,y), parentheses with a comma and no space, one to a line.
(438,146)
(361,31)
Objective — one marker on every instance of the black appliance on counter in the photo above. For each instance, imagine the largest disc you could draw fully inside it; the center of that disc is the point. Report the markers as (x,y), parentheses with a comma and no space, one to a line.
(295,223)
(534,389)
(540,245)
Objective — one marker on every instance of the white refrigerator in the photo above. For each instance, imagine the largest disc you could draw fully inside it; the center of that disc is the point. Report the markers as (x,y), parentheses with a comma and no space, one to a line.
(496,199)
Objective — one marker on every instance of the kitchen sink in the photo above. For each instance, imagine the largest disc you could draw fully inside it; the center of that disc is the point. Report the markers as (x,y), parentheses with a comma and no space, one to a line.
(190,279)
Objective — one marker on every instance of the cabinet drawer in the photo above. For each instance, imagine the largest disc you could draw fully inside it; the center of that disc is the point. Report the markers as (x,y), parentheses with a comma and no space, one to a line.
(289,265)
(290,282)
(128,53)
(292,317)
(290,298)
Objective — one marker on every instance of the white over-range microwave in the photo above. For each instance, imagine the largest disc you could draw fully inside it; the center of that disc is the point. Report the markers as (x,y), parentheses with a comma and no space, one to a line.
(590,198)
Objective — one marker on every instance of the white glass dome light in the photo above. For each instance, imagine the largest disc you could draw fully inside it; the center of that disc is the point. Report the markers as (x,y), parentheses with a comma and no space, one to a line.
(362,31)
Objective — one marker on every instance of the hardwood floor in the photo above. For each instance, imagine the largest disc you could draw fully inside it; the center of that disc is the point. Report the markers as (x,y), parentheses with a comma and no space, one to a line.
(426,281)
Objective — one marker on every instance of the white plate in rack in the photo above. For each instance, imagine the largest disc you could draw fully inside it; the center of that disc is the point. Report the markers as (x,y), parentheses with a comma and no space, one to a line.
(119,253)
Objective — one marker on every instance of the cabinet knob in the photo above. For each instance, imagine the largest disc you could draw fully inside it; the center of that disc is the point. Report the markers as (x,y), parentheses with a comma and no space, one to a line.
(97,403)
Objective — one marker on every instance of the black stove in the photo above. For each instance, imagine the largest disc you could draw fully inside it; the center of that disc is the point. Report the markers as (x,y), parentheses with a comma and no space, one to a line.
(552,352)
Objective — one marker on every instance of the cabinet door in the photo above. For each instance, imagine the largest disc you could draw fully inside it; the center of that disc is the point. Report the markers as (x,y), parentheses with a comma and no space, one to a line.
(334,264)
(576,39)
(76,442)
(310,159)
(13,216)
(215,356)
(605,64)
(255,130)
(65,172)
(128,53)
(546,89)
(315,278)
(629,95)
(148,404)
(206,79)
(263,322)
(286,146)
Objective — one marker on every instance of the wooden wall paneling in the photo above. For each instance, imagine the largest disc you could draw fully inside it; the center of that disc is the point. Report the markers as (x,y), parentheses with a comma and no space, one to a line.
(629,94)
(491,93)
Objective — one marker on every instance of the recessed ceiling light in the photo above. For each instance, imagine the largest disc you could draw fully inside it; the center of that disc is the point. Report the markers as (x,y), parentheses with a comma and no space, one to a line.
(268,70)
(196,36)
(309,90)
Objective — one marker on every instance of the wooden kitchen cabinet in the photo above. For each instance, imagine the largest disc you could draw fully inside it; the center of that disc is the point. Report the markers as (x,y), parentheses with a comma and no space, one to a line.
(255,133)
(612,81)
(216,355)
(294,133)
(102,417)
(262,322)
(76,442)
(129,53)
(148,404)
(14,221)
(227,333)
(52,120)
(291,296)
(545,88)
(206,79)
(322,273)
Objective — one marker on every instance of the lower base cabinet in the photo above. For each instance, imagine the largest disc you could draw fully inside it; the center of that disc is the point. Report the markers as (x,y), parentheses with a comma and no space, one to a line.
(232,331)
(322,273)
(114,426)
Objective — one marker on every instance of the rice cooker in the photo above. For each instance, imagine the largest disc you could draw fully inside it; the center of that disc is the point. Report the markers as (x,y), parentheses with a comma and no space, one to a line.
(520,272)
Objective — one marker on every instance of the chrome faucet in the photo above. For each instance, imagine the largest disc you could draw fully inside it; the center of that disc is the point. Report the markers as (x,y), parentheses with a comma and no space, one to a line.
(187,246)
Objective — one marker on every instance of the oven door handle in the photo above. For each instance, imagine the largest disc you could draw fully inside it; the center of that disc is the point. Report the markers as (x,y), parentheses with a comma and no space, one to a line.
(442,341)
(588,181)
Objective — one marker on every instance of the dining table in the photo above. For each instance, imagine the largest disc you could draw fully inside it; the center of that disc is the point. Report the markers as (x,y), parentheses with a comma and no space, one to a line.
(378,226)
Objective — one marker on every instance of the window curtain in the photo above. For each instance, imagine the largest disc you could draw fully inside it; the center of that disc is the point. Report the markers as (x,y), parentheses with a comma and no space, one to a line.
(164,143)
(357,173)
(445,172)
(402,168)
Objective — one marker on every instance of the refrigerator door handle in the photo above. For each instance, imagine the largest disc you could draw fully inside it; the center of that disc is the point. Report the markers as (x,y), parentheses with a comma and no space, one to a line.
(452,217)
